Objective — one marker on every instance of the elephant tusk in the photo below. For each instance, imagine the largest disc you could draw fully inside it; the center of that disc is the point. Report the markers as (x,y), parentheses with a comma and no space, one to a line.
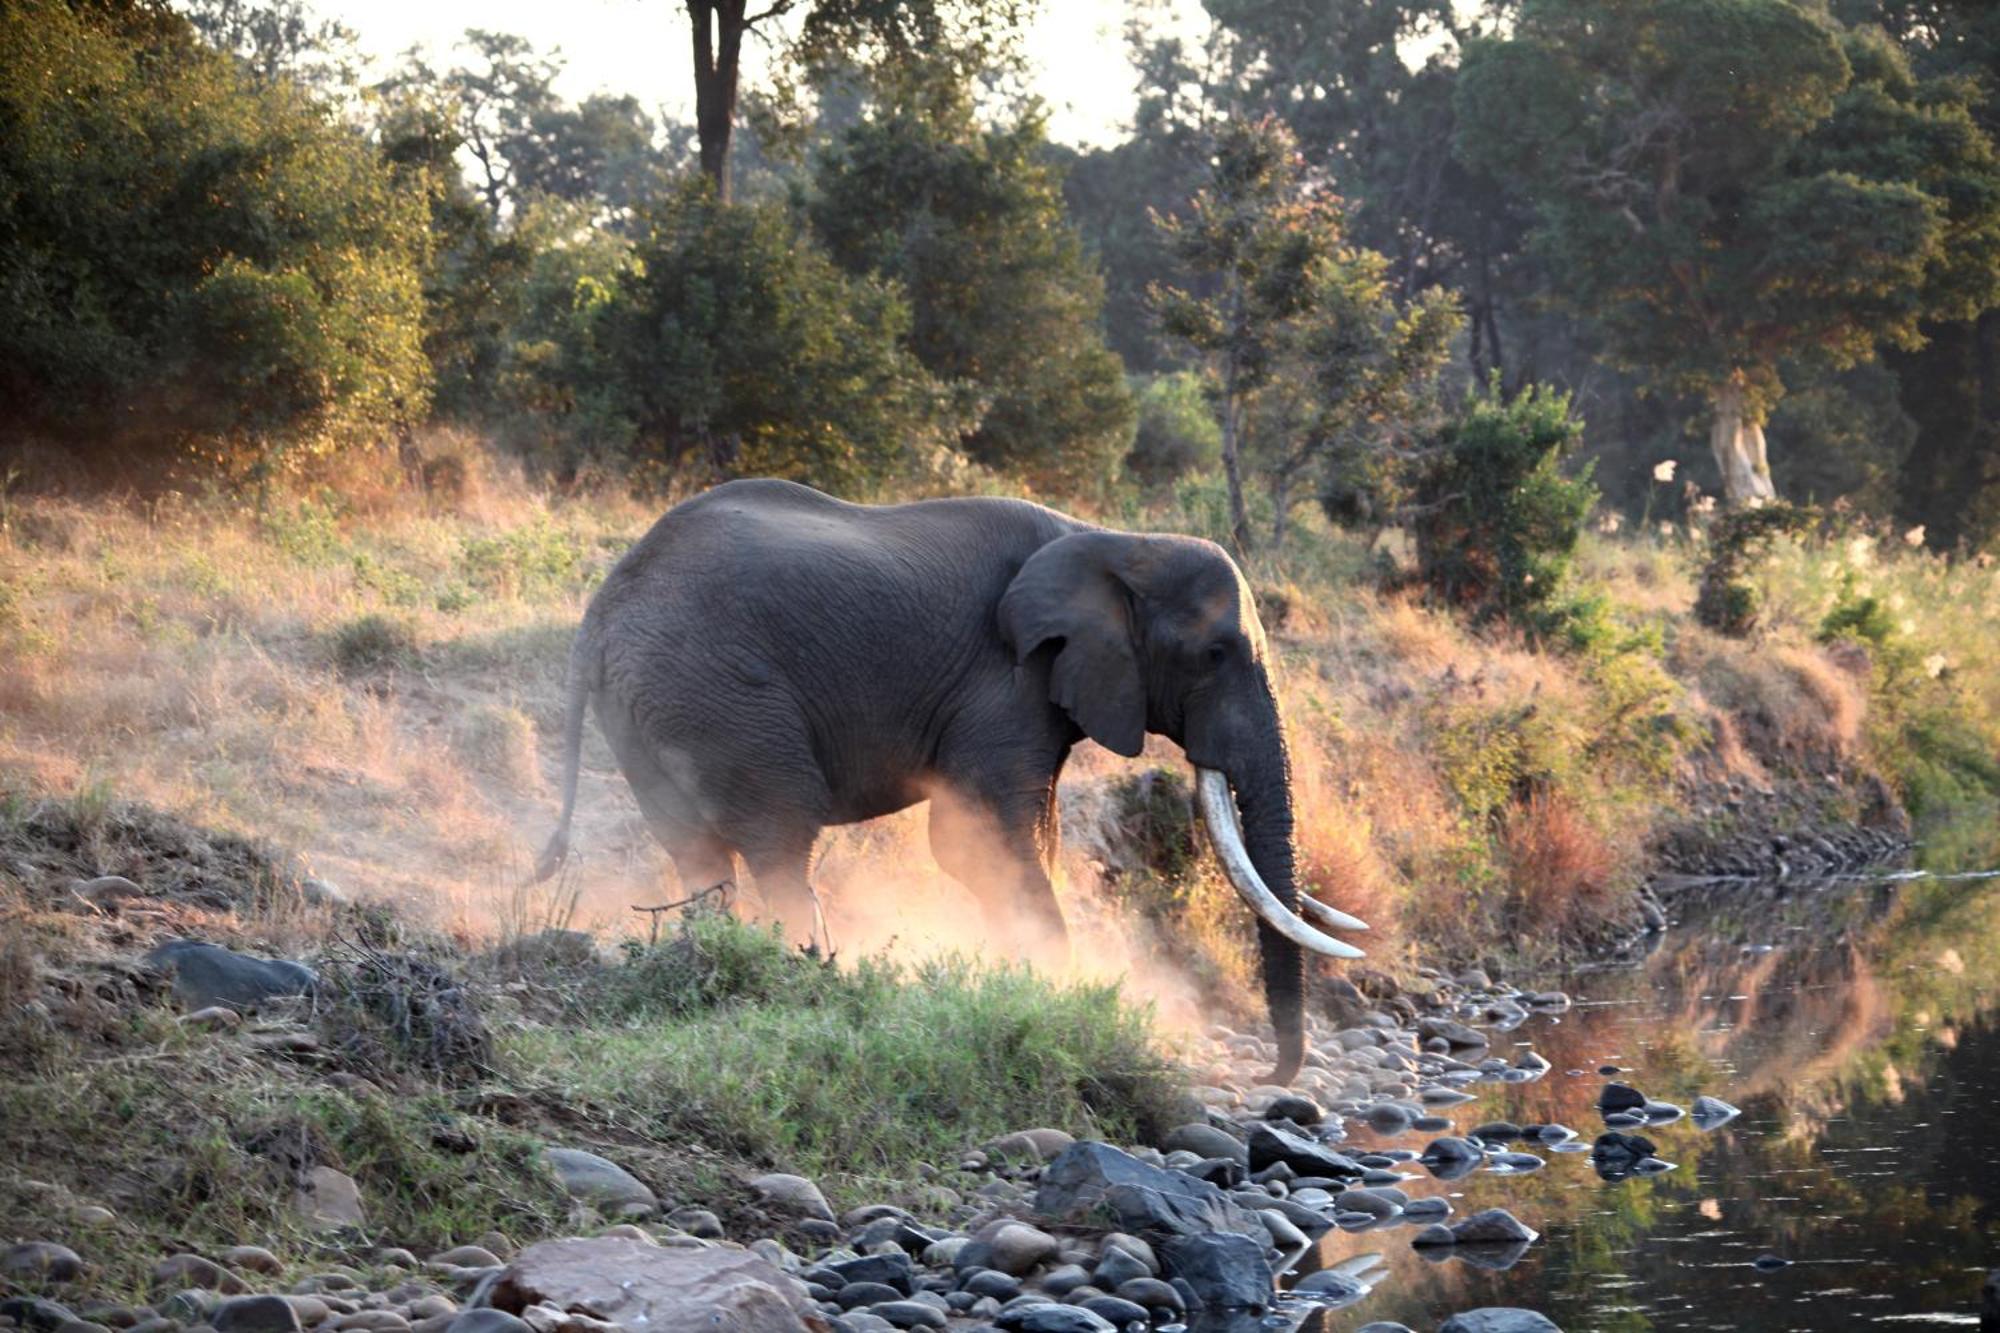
(1218,811)
(1332,916)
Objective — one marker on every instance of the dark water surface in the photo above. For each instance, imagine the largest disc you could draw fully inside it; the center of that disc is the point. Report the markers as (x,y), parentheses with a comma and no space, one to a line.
(1857,1025)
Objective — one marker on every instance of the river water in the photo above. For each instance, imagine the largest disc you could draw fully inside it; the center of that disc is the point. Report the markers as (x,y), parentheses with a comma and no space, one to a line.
(1856,1023)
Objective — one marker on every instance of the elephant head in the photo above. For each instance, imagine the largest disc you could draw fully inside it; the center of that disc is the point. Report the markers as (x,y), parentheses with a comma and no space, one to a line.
(1160,633)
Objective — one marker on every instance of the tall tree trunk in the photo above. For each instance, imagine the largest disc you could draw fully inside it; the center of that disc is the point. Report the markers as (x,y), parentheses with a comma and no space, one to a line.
(1232,434)
(718,48)
(1737,438)
(1281,507)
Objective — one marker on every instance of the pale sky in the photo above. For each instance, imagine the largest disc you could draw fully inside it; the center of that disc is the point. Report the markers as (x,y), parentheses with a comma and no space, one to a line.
(643,47)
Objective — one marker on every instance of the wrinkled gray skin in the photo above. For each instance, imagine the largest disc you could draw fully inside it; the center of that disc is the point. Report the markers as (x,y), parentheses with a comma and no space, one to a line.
(768,661)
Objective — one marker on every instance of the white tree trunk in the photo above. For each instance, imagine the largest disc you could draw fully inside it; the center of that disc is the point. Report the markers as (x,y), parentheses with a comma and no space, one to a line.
(1738,442)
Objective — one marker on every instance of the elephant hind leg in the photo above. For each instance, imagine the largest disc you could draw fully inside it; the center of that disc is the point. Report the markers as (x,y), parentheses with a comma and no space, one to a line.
(701,857)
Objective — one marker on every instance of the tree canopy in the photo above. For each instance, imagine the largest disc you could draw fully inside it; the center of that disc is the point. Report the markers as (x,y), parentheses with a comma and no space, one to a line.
(256,289)
(968,221)
(1728,187)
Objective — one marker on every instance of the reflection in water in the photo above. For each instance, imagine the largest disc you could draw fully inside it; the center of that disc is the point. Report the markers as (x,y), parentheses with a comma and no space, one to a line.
(1857,1025)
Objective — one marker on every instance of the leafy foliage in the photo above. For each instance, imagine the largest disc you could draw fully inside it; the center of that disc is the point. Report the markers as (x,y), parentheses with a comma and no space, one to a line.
(254,293)
(1727,600)
(736,342)
(1497,521)
(968,221)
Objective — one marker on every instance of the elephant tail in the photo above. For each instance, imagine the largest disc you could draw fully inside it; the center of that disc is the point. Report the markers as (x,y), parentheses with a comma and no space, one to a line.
(583,673)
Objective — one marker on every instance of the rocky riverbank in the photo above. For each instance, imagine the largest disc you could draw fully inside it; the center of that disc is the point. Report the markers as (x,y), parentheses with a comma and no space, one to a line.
(1209,1227)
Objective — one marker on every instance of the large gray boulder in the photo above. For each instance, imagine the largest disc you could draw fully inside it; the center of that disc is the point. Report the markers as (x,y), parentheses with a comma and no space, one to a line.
(1270,1144)
(208,974)
(1499,1319)
(1093,1183)
(591,1179)
(1224,1271)
(636,1285)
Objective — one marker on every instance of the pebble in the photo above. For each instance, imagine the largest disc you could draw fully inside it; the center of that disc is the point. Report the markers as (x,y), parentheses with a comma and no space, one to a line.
(41,1261)
(792,1194)
(191,1270)
(255,1314)
(1017,1247)
(1709,1112)
(252,1259)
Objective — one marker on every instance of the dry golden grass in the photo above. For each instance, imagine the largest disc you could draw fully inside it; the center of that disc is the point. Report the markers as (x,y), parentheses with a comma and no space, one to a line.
(205,658)
(1561,866)
(371,674)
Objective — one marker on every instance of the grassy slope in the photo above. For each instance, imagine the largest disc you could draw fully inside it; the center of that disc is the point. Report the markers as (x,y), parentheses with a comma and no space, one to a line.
(373,679)
(370,680)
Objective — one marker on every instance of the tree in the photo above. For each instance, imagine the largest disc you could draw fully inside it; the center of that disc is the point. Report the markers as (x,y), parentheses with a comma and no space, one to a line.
(190,257)
(1339,74)
(880,32)
(1310,359)
(493,104)
(280,39)
(968,222)
(1361,381)
(1726,187)
(1950,387)
(1256,234)
(604,150)
(1176,431)
(1114,194)
(741,347)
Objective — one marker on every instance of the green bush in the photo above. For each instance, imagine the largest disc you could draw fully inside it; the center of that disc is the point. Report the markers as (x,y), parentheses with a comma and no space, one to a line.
(1855,615)
(191,259)
(1497,522)
(373,642)
(1177,432)
(724,1034)
(741,347)
(1727,601)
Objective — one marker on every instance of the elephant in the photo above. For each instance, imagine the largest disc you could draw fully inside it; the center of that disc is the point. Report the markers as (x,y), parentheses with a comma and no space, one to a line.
(768,661)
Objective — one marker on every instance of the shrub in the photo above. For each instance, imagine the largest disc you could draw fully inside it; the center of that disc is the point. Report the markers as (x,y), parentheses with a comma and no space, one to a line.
(1177,431)
(372,642)
(1856,615)
(187,253)
(1497,522)
(1728,602)
(725,1034)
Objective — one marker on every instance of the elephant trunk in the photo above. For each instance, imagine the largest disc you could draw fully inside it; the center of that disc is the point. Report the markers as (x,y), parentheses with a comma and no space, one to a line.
(1266,804)
(1252,833)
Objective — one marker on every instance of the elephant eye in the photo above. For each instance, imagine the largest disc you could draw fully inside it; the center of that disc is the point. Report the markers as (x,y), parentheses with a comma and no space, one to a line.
(1217,653)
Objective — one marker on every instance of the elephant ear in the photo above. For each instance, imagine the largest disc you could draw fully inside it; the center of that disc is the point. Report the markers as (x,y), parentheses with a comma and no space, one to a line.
(1070,591)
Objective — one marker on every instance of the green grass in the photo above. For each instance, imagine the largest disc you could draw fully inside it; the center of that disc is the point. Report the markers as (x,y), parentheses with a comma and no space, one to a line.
(712,1056)
(191,1156)
(371,642)
(854,1076)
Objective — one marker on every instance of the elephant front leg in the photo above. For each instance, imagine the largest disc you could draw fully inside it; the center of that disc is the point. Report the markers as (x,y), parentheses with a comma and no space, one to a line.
(1001,849)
